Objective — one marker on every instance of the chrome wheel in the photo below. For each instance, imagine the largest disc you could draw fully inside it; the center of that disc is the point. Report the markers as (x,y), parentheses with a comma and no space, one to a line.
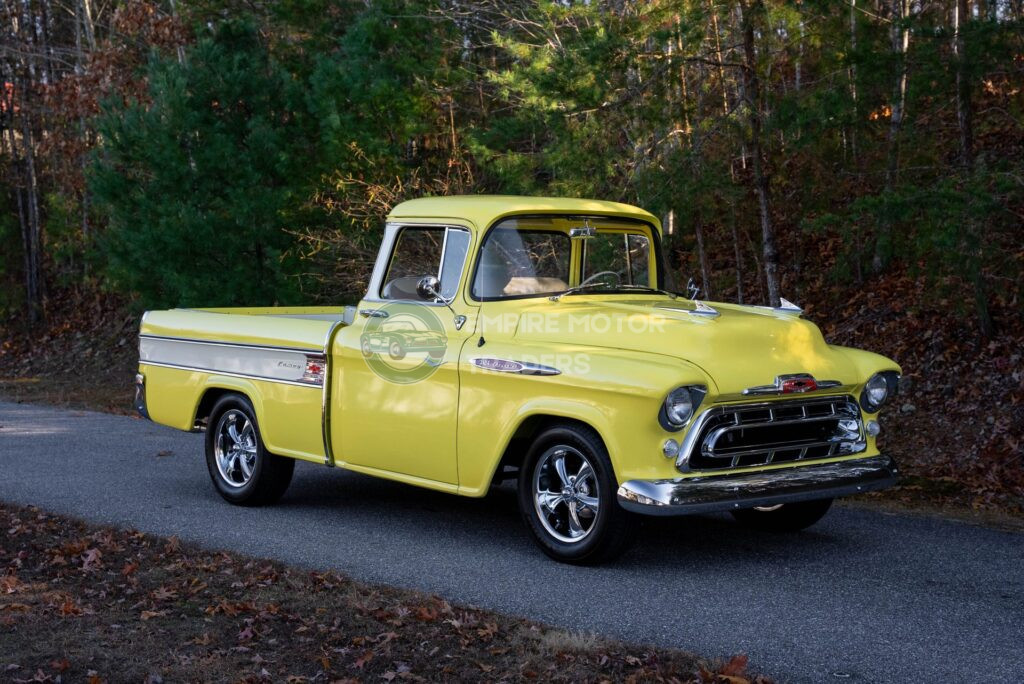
(566,494)
(234,448)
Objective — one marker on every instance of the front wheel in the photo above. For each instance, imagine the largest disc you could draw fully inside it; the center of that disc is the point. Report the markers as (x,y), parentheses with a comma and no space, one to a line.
(567,496)
(791,517)
(241,468)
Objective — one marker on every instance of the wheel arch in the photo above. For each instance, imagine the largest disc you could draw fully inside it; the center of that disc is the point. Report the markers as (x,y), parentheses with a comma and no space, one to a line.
(531,424)
(216,388)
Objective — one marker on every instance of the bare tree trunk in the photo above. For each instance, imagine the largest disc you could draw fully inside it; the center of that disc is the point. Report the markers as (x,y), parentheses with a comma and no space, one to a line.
(737,251)
(853,81)
(718,55)
(705,268)
(964,111)
(30,33)
(800,54)
(32,240)
(899,35)
(752,95)
(88,24)
(965,121)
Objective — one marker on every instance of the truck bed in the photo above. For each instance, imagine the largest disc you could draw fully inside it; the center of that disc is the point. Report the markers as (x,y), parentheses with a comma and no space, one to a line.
(190,357)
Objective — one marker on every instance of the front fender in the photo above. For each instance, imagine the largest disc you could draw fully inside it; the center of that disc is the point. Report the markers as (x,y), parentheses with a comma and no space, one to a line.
(617,393)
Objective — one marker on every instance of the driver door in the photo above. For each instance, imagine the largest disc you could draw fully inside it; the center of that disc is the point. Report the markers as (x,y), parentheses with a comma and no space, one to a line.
(396,408)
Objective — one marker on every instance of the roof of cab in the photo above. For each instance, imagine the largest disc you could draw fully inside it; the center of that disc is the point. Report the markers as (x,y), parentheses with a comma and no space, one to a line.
(484,210)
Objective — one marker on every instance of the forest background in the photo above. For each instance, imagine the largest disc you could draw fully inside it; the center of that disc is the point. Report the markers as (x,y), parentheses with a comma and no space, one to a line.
(864,158)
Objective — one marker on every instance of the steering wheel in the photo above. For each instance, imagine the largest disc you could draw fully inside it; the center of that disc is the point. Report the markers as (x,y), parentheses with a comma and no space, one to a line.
(590,279)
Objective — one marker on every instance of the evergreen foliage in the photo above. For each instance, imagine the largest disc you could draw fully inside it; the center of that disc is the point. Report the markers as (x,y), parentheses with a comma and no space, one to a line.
(204,179)
(251,156)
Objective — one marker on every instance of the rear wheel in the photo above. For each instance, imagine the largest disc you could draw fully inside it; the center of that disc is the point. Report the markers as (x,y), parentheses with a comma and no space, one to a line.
(784,517)
(567,496)
(241,468)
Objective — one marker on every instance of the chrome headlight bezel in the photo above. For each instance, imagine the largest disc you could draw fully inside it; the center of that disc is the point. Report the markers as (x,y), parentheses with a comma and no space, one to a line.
(671,417)
(879,389)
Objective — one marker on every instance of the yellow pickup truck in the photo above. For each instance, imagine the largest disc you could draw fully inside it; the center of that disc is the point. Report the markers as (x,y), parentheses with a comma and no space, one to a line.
(532,339)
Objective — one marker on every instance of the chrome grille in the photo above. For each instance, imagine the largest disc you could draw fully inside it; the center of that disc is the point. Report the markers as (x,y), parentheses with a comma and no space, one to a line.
(776,432)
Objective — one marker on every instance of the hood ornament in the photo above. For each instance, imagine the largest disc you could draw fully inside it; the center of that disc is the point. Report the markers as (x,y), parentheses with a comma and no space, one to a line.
(785,306)
(788,306)
(703,309)
(796,383)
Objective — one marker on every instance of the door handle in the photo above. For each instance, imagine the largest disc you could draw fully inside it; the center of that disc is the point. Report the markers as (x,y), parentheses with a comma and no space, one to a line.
(373,313)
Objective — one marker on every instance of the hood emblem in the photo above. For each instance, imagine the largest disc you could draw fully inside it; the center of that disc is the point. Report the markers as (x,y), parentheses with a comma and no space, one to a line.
(797,383)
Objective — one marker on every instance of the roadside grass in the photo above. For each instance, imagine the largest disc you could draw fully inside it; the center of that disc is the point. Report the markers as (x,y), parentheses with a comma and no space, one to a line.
(80,602)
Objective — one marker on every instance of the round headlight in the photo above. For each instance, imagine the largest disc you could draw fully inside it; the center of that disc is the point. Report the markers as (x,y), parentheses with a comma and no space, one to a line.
(680,405)
(876,391)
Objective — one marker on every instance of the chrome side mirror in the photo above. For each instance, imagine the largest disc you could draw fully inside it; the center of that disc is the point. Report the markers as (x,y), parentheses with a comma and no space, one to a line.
(429,288)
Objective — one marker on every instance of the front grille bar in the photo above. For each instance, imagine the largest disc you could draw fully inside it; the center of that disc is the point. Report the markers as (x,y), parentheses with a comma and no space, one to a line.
(704,448)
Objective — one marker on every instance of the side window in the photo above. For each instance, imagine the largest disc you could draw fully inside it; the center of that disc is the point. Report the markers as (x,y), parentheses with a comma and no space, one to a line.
(420,252)
(626,254)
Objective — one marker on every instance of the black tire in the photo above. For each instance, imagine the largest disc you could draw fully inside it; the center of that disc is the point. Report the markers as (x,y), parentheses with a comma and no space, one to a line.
(609,532)
(270,474)
(791,517)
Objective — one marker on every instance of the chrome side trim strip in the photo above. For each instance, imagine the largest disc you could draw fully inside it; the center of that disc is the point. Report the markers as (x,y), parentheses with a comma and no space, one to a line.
(243,345)
(325,401)
(229,374)
(517,367)
(265,363)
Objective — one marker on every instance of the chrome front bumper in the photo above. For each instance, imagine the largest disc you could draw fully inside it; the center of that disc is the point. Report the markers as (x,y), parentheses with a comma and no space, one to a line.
(683,496)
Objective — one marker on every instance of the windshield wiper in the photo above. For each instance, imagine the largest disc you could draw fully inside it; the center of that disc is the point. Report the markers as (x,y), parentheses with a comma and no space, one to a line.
(645,288)
(577,288)
(587,286)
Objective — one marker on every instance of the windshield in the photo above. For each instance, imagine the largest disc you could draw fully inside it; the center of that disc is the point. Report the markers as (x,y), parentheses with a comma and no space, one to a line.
(524,257)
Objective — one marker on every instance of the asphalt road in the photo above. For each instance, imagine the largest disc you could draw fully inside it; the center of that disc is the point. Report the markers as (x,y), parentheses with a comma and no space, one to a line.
(863,596)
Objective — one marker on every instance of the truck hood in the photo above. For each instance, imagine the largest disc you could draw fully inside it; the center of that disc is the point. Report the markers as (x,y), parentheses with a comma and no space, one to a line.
(741,347)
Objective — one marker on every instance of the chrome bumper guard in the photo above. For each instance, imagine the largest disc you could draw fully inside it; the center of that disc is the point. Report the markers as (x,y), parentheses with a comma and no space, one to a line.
(140,396)
(683,496)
